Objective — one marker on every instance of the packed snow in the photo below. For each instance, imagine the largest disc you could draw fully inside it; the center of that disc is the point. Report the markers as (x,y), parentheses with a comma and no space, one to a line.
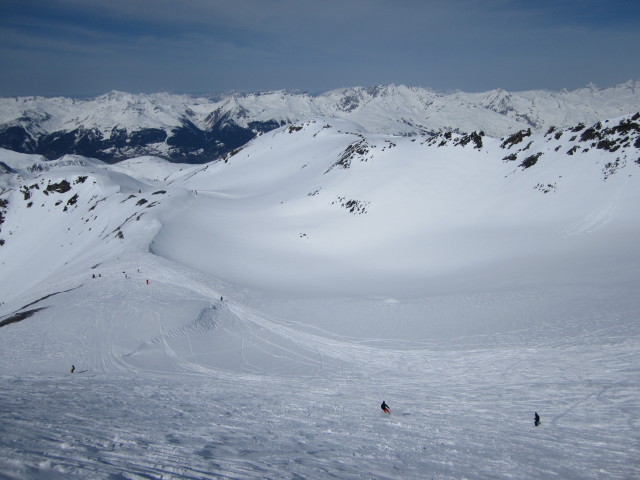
(246,318)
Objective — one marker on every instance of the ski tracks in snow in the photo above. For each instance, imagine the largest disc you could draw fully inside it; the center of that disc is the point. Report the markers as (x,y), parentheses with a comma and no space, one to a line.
(202,388)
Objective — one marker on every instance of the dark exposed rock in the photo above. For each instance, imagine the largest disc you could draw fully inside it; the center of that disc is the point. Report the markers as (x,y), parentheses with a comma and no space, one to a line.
(474,137)
(23,313)
(26,194)
(610,145)
(3,206)
(592,133)
(546,188)
(516,138)
(61,187)
(263,127)
(357,207)
(72,201)
(356,149)
(573,150)
(348,103)
(531,160)
(18,317)
(610,168)
(625,127)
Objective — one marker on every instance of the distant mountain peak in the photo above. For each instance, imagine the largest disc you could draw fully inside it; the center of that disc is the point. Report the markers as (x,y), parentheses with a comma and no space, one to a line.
(119,125)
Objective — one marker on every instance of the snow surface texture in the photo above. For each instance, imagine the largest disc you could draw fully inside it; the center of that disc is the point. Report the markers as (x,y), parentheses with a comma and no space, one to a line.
(246,318)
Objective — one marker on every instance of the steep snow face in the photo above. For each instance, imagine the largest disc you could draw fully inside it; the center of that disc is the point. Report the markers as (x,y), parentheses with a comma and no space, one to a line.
(246,318)
(67,214)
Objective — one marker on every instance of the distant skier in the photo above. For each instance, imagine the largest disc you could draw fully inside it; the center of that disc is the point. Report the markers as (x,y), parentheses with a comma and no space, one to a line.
(385,408)
(73,368)
(536,419)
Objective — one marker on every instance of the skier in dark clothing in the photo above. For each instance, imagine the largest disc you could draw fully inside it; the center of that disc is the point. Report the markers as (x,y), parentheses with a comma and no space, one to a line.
(536,419)
(385,408)
(73,368)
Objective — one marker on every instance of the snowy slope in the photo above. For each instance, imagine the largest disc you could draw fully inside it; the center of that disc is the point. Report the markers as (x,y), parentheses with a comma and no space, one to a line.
(328,196)
(245,318)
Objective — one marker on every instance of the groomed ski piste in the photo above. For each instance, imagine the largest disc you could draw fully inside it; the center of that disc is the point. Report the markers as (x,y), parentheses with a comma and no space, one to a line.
(246,318)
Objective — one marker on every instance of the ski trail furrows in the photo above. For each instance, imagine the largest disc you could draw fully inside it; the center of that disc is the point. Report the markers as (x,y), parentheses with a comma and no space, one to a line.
(316,350)
(216,426)
(285,338)
(207,322)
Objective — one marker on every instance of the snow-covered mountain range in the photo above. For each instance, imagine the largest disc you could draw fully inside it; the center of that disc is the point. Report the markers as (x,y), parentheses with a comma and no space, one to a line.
(117,125)
(312,178)
(245,318)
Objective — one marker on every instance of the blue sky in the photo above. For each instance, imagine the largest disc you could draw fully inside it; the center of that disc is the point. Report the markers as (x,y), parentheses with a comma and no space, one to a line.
(88,47)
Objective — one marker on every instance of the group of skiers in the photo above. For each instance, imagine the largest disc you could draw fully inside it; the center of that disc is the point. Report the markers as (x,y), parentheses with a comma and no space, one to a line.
(124,273)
